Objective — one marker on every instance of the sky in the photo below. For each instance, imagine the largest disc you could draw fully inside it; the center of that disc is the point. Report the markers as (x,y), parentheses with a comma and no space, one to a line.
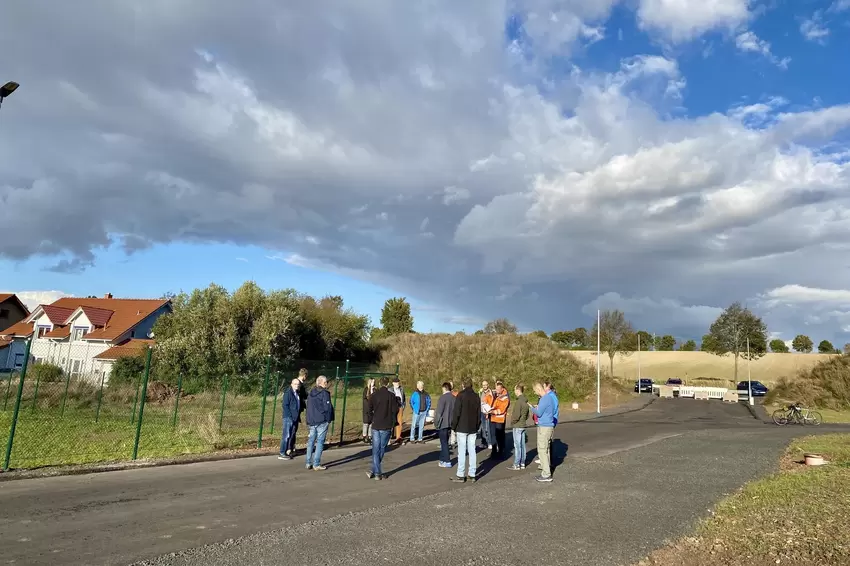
(530,159)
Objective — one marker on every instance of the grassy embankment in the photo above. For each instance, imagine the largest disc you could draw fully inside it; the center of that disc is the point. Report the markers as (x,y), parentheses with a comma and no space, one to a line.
(47,436)
(825,387)
(798,516)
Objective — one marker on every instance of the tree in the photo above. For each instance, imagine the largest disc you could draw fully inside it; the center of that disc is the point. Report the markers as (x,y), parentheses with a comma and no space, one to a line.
(847,348)
(500,326)
(582,340)
(478,332)
(615,335)
(563,338)
(826,347)
(540,334)
(395,316)
(802,343)
(688,346)
(733,329)
(707,343)
(778,346)
(377,333)
(666,343)
(646,340)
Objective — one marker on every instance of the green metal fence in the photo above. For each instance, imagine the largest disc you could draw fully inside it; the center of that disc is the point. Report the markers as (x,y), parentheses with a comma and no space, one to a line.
(58,412)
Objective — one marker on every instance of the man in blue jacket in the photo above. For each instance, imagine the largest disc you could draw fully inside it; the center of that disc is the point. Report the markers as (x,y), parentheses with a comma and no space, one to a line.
(291,417)
(547,418)
(420,403)
(320,414)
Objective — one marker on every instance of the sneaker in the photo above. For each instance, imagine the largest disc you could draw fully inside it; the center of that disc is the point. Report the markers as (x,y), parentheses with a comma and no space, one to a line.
(513,468)
(445,464)
(473,479)
(370,475)
(309,467)
(379,477)
(458,479)
(282,457)
(319,468)
(541,479)
(537,461)
(489,447)
(522,467)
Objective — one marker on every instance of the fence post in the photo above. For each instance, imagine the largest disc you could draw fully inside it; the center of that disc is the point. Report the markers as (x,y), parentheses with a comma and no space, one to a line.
(397,365)
(344,400)
(11,440)
(35,392)
(274,405)
(263,410)
(142,404)
(100,396)
(8,387)
(336,389)
(65,395)
(223,397)
(177,401)
(136,400)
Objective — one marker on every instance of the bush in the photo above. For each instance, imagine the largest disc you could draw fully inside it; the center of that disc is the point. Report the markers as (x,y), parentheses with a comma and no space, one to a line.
(826,385)
(513,358)
(45,373)
(127,370)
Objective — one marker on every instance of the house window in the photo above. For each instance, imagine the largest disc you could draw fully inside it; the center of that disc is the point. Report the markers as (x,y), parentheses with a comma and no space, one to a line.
(19,361)
(42,330)
(79,332)
(76,366)
(4,314)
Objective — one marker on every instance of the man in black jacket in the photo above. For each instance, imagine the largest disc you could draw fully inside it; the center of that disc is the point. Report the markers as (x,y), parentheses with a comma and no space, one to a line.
(466,418)
(383,412)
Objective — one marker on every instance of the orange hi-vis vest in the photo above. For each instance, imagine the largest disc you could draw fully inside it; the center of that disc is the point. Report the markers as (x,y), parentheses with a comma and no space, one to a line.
(500,408)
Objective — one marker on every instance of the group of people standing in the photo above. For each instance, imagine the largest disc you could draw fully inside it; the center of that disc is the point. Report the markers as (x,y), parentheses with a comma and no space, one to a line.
(464,419)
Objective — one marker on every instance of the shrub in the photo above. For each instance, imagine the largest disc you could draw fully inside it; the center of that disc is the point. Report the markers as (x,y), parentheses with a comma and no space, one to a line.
(127,370)
(45,373)
(513,358)
(826,385)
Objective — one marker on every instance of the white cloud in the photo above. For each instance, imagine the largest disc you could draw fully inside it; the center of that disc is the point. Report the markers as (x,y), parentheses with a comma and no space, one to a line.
(453,194)
(814,29)
(34,298)
(749,41)
(839,6)
(798,295)
(683,20)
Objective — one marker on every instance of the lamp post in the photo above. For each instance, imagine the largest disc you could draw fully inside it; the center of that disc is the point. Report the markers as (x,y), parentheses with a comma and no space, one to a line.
(7,89)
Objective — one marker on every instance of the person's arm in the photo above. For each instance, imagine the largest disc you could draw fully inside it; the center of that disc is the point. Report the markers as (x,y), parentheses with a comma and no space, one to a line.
(456,413)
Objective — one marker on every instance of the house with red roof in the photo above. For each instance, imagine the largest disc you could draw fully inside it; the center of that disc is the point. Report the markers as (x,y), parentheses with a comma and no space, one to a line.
(84,336)
(12,311)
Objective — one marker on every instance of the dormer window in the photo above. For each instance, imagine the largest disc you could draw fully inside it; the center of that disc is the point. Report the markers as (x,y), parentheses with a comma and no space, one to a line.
(42,330)
(78,332)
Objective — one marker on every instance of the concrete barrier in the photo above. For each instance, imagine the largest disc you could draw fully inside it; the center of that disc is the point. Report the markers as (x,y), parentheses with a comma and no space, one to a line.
(730,397)
(699,394)
(665,392)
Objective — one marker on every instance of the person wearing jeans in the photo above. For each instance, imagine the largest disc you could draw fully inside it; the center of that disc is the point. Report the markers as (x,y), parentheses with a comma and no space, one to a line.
(518,421)
(383,410)
(291,418)
(320,414)
(466,419)
(420,404)
(547,416)
(443,423)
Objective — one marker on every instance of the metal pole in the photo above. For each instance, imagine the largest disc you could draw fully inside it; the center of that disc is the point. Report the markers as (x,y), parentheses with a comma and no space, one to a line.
(749,377)
(100,396)
(638,363)
(11,440)
(598,363)
(177,401)
(274,405)
(263,410)
(344,400)
(336,392)
(142,404)
(223,397)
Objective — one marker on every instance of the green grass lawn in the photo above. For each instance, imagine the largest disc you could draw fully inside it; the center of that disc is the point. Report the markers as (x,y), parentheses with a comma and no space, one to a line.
(800,515)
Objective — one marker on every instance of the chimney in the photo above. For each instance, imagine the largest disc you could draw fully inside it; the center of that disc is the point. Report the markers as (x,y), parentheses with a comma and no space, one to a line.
(107,296)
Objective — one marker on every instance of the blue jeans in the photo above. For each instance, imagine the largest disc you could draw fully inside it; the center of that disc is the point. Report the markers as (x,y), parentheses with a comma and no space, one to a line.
(484,430)
(418,419)
(466,447)
(287,439)
(519,447)
(317,436)
(380,438)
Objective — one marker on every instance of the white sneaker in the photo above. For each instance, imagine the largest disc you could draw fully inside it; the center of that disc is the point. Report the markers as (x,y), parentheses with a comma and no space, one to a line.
(489,447)
(537,461)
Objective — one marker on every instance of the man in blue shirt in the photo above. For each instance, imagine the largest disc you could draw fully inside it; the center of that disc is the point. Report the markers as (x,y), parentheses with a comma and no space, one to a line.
(547,418)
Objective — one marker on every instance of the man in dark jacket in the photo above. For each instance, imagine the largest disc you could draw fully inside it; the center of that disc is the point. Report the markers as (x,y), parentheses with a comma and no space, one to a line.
(518,422)
(383,412)
(443,423)
(466,419)
(291,418)
(320,414)
(302,389)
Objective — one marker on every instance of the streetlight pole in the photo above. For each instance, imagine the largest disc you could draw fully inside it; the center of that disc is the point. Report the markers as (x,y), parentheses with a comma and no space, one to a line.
(7,89)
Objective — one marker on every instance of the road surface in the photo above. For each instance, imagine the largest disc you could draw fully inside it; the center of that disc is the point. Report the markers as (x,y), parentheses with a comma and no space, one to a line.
(627,484)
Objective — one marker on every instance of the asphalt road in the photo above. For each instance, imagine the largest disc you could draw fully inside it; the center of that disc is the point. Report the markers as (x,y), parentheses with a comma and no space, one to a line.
(627,484)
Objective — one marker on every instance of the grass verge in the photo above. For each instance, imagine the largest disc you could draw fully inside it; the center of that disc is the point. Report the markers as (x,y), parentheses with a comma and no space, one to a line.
(799,516)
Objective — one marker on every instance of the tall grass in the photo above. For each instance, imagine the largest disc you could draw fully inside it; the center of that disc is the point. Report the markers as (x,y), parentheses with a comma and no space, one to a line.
(512,358)
(826,385)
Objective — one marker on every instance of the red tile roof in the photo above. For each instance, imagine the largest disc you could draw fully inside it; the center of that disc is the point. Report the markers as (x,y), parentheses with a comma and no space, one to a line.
(19,329)
(57,314)
(98,317)
(4,342)
(126,313)
(58,332)
(132,347)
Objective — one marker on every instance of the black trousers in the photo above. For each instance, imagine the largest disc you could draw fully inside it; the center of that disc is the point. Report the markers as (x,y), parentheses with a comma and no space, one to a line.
(499,440)
(444,444)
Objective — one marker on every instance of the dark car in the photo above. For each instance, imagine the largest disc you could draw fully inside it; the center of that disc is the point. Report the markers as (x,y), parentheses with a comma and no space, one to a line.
(759,388)
(645,384)
(674,381)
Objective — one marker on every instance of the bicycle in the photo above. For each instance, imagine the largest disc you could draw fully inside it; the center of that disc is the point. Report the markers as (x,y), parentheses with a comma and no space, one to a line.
(796,414)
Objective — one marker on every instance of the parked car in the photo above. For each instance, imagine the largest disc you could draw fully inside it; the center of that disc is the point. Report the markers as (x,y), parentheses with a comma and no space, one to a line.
(674,381)
(759,388)
(644,385)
